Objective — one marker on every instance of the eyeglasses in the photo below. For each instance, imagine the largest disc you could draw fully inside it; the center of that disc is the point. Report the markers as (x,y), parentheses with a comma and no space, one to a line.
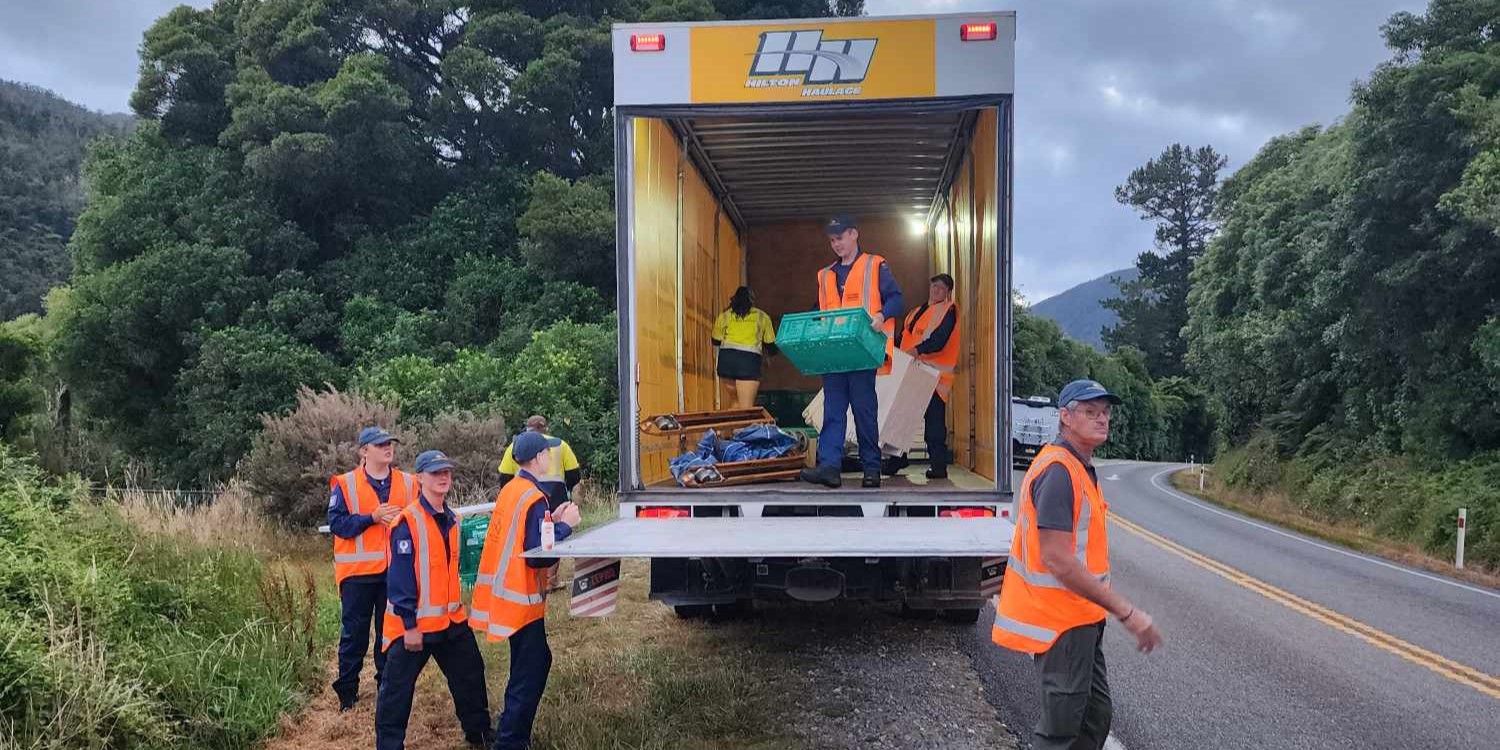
(1090,412)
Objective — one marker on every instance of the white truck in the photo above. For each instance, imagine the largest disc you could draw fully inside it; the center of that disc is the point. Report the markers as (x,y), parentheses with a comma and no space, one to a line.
(1033,424)
(734,142)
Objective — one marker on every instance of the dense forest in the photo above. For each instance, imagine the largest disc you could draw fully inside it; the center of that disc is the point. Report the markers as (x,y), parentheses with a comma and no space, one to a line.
(42,143)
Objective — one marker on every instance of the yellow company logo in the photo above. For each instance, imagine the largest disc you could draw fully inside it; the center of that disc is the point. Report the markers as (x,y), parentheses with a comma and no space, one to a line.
(734,63)
(804,58)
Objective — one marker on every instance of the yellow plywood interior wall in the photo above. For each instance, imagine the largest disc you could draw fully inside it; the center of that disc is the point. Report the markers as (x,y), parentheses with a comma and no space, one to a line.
(965,244)
(688,261)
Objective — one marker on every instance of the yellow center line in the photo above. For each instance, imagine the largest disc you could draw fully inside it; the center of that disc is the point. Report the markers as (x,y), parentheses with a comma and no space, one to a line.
(1452,670)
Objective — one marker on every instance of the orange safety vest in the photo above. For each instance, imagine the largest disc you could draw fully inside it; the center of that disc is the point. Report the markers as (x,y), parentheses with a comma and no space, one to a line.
(1035,608)
(366,554)
(861,289)
(945,359)
(509,594)
(439,599)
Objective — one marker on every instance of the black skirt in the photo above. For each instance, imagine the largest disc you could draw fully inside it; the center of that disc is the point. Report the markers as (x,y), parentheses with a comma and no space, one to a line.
(735,364)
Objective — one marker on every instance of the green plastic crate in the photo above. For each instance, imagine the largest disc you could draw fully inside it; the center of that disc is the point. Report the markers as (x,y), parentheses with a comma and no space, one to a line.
(471,533)
(819,343)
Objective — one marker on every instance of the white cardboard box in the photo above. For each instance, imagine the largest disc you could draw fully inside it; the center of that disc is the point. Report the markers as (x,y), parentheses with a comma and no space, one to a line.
(903,396)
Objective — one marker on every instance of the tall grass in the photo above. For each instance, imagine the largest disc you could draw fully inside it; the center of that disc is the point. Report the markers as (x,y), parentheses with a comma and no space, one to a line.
(131,622)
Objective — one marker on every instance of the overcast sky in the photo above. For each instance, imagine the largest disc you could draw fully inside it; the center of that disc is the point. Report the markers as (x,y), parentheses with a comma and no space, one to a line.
(1101,86)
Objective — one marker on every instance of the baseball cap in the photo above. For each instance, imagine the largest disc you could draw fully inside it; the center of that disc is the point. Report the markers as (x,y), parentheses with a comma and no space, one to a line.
(527,445)
(375,436)
(430,461)
(1084,390)
(839,224)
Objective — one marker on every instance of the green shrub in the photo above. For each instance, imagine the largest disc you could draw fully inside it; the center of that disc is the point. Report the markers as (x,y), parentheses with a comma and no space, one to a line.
(118,633)
(1398,498)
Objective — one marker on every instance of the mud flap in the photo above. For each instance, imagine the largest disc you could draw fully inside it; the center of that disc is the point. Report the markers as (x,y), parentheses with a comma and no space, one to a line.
(596,586)
(991,573)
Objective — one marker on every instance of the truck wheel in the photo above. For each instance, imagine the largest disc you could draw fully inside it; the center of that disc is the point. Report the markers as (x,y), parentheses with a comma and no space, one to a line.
(693,611)
(961,616)
(909,612)
(738,610)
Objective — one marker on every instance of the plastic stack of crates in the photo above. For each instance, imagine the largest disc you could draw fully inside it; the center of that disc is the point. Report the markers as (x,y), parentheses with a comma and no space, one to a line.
(471,533)
(823,342)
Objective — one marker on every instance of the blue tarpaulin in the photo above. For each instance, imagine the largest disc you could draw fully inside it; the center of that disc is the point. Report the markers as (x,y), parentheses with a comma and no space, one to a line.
(748,444)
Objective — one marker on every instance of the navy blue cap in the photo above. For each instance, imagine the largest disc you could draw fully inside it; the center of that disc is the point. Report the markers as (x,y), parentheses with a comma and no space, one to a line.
(528,444)
(431,461)
(375,436)
(1085,390)
(840,224)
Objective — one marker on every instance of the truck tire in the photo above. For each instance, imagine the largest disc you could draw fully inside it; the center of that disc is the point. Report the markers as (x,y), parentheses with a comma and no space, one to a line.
(737,610)
(692,611)
(961,616)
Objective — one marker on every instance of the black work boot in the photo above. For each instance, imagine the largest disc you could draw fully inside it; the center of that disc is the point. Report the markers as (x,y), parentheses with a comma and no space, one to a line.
(346,703)
(828,476)
(892,465)
(872,480)
(937,473)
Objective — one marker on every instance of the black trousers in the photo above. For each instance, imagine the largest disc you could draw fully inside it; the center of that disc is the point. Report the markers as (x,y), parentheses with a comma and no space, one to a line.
(935,433)
(458,656)
(1076,710)
(530,662)
(362,601)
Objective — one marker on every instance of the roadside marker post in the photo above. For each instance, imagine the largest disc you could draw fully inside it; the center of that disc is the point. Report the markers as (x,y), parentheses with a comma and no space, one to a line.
(1463,522)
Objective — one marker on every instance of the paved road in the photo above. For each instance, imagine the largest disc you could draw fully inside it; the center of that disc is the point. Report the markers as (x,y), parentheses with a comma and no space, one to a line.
(1274,640)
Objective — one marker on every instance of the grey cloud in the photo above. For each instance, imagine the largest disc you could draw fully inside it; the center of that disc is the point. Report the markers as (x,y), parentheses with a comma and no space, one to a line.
(1103,85)
(83,50)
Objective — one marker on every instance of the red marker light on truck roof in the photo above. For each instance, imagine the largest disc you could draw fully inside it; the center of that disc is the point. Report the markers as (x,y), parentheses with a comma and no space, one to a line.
(977,32)
(648,42)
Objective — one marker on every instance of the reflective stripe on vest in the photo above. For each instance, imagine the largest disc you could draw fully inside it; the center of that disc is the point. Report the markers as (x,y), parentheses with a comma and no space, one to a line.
(945,360)
(351,483)
(517,597)
(830,298)
(1034,606)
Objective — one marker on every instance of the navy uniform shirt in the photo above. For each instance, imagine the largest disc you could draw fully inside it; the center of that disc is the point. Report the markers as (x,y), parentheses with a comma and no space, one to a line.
(346,525)
(891,303)
(533,538)
(939,337)
(401,578)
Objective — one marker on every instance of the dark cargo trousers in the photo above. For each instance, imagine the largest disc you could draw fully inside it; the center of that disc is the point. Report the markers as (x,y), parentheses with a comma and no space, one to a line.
(457,655)
(1076,710)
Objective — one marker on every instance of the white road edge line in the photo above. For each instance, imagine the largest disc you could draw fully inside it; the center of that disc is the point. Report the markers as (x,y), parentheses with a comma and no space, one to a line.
(1175,495)
(1112,743)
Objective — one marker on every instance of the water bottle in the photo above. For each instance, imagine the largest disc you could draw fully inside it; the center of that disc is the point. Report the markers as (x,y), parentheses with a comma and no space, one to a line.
(549,531)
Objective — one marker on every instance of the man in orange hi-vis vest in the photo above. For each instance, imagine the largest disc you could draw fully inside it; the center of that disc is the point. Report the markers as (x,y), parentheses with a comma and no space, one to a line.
(364,503)
(1056,591)
(425,616)
(856,279)
(510,600)
(930,334)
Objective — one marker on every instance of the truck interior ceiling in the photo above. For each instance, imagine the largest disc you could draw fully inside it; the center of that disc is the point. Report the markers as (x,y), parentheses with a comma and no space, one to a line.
(731,198)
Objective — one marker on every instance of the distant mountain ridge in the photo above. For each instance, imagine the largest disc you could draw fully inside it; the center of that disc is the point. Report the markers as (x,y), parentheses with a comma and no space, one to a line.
(1080,311)
(43,138)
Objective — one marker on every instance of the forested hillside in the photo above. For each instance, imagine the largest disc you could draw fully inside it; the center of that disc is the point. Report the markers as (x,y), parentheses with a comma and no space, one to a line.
(42,143)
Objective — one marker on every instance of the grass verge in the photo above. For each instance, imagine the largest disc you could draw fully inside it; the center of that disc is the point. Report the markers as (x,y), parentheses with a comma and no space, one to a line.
(129,623)
(1277,508)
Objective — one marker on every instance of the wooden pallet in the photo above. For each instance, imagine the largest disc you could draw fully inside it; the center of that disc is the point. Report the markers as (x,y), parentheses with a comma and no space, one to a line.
(757,471)
(697,422)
